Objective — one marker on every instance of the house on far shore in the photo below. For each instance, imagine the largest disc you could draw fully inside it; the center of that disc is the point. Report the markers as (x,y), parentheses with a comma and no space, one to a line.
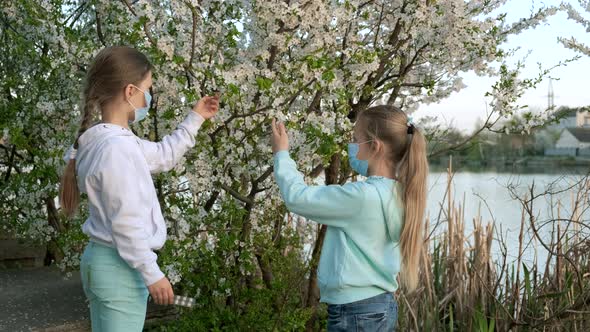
(583,118)
(568,118)
(574,138)
(572,142)
(570,136)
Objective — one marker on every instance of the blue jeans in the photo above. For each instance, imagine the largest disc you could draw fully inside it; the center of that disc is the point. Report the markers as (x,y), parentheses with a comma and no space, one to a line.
(378,313)
(116,292)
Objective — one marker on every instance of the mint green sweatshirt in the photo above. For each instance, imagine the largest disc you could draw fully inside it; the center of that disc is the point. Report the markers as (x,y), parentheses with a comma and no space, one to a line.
(361,255)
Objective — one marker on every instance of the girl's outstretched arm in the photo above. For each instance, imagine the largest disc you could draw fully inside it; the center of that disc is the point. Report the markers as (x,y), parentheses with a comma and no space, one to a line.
(333,205)
(164,155)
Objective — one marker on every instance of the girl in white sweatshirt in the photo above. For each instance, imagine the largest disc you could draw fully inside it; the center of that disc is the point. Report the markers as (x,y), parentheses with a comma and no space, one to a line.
(112,166)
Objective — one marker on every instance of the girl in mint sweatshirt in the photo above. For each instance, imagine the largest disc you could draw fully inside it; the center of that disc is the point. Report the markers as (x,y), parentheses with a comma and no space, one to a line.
(374,226)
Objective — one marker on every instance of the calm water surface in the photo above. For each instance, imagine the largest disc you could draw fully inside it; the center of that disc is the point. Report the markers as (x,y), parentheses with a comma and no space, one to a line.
(487,193)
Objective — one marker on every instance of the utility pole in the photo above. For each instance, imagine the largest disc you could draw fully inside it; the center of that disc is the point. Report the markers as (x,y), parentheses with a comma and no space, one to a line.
(550,96)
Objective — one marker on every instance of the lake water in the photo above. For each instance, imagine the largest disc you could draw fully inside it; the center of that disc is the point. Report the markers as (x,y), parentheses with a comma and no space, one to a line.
(489,193)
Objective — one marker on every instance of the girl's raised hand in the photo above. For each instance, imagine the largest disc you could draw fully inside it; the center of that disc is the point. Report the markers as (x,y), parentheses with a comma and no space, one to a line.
(207,106)
(279,138)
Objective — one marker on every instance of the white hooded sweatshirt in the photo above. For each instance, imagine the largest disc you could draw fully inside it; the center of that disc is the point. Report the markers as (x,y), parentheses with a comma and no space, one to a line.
(113,168)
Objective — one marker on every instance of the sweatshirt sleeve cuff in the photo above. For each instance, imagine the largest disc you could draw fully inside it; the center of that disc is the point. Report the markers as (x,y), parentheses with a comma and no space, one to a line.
(192,122)
(283,154)
(151,273)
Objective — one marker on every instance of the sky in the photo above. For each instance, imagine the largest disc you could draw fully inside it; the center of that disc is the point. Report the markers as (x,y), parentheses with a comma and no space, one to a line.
(463,109)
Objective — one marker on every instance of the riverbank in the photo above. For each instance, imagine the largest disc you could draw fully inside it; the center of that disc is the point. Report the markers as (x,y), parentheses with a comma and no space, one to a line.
(521,165)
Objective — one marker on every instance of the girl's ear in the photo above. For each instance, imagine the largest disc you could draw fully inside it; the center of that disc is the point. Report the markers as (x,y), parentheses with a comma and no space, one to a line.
(128,91)
(376,146)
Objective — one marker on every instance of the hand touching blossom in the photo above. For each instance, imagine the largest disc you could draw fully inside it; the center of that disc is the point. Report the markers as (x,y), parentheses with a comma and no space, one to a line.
(279,138)
(207,106)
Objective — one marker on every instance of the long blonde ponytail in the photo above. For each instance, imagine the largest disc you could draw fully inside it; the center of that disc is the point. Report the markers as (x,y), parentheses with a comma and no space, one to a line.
(407,150)
(413,174)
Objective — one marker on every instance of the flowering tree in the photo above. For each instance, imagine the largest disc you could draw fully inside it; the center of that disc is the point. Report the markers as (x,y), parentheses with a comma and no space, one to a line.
(314,64)
(575,15)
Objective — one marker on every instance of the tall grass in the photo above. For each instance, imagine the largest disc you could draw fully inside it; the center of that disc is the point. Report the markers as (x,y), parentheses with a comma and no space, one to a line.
(464,287)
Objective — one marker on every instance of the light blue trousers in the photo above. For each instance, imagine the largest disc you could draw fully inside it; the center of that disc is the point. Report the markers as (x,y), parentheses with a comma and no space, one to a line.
(116,291)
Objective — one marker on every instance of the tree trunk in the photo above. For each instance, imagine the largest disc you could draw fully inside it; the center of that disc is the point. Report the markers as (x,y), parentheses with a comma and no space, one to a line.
(54,253)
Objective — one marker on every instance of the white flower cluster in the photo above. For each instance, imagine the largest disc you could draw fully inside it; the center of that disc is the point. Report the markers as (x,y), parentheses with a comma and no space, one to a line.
(172,273)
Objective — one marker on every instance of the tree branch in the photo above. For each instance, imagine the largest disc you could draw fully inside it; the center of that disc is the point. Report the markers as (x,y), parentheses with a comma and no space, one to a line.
(236,194)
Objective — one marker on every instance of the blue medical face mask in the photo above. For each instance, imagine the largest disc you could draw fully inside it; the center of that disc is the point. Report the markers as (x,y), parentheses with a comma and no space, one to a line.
(359,166)
(141,113)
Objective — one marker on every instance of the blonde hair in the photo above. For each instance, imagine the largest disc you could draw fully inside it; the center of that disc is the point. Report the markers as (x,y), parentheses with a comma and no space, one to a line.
(112,69)
(406,146)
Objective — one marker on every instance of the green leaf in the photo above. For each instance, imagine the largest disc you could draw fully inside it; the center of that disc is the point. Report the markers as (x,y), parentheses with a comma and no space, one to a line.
(527,281)
(451,323)
(264,83)
(328,76)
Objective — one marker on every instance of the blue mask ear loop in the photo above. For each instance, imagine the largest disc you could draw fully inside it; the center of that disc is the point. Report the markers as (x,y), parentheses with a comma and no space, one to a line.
(141,113)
